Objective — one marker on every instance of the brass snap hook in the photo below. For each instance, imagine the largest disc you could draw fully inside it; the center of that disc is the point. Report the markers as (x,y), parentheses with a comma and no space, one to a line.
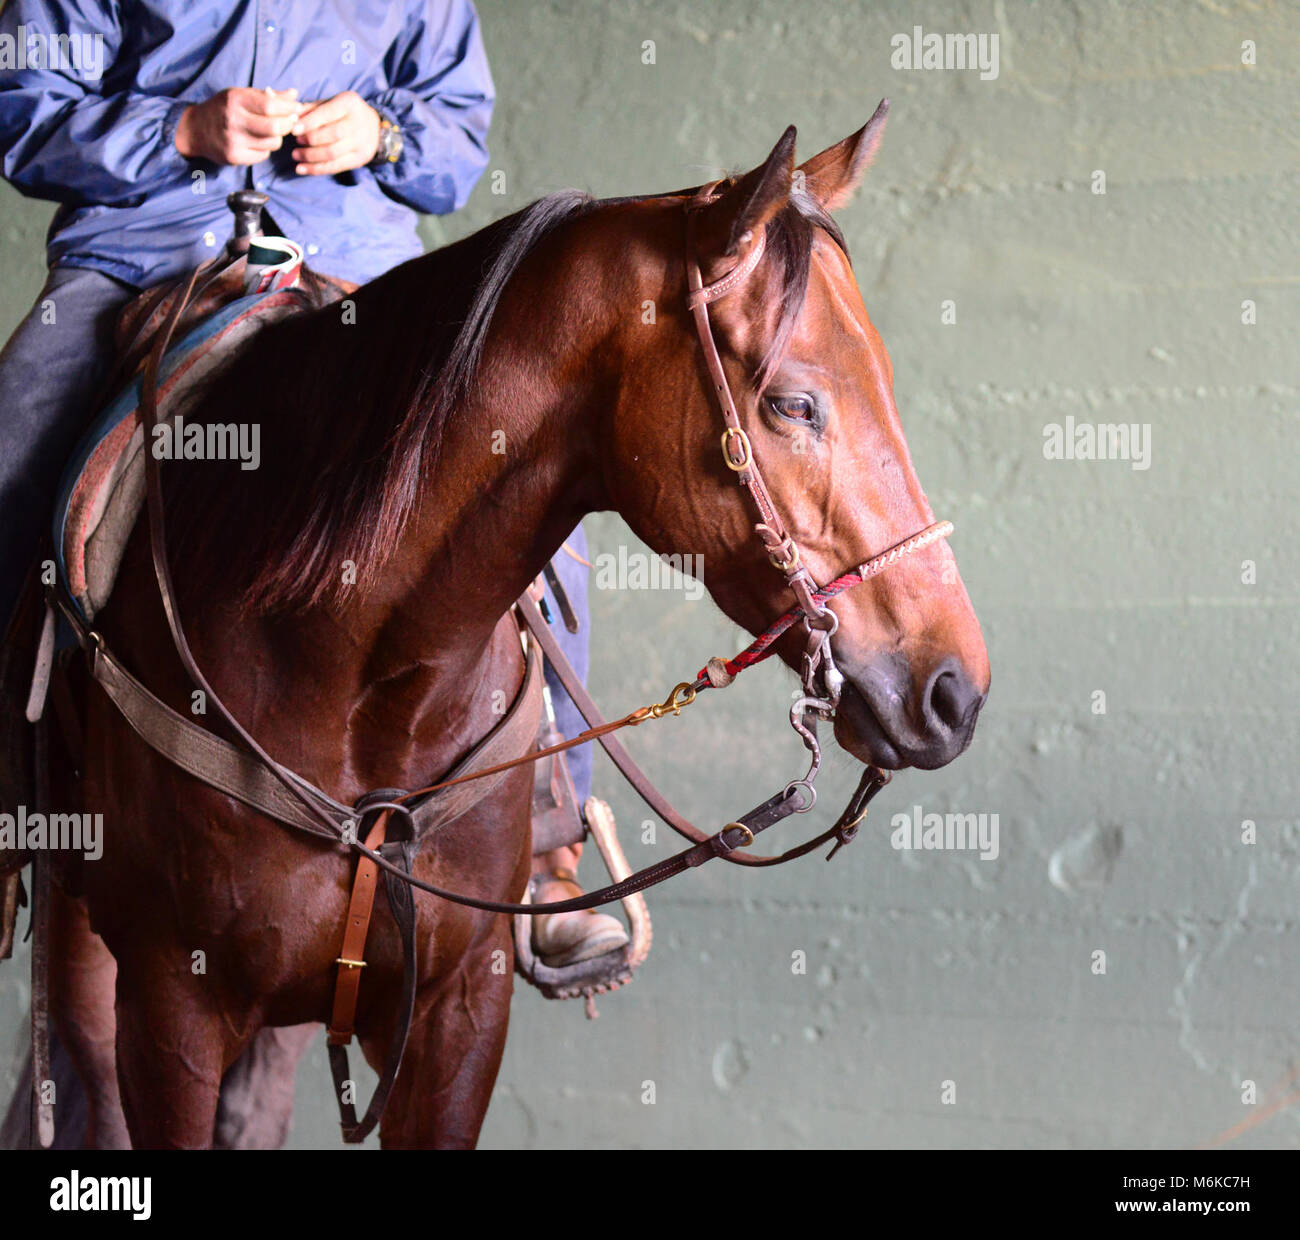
(682,695)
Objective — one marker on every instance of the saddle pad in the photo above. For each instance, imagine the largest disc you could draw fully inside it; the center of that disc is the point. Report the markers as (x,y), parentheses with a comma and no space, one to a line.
(103,487)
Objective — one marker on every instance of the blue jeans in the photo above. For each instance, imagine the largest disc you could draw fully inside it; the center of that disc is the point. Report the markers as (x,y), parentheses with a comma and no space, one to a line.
(576,646)
(50,372)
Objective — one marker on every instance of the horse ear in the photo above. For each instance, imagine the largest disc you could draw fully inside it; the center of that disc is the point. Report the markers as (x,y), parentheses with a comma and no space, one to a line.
(832,176)
(757,196)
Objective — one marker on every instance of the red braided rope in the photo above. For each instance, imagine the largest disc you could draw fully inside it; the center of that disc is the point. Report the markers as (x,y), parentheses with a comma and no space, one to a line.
(761,647)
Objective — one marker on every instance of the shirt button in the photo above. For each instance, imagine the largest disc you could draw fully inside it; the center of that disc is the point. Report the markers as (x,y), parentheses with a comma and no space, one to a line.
(270,27)
(313,249)
(209,239)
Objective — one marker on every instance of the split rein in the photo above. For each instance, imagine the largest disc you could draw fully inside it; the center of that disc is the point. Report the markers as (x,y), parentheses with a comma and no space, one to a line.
(718,673)
(821,679)
(381,827)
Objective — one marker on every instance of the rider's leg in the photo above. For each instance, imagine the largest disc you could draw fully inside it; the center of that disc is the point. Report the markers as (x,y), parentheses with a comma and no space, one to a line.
(50,371)
(573,573)
(566,938)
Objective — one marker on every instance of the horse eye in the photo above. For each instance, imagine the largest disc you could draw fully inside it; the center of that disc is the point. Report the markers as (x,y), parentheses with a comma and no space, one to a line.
(794,408)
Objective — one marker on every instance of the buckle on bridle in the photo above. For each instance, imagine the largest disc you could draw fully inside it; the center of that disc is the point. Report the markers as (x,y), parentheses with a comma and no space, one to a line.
(790,563)
(746,458)
(855,812)
(737,826)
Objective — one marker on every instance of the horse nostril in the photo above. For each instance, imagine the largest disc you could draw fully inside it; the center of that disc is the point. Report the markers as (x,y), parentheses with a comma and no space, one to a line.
(950,699)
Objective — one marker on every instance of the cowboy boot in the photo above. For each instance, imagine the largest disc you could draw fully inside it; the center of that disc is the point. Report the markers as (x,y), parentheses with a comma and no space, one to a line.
(561,939)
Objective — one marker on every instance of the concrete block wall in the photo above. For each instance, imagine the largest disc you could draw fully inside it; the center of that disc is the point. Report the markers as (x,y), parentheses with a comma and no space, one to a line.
(1120,832)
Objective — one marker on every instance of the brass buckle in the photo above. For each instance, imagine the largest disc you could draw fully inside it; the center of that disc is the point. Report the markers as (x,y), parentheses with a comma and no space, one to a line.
(849,827)
(747,451)
(740,826)
(785,566)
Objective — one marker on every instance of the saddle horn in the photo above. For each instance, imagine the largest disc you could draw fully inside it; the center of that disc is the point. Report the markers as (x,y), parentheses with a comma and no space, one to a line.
(246,204)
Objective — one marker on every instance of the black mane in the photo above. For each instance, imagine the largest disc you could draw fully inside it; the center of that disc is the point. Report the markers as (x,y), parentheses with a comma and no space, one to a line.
(353,415)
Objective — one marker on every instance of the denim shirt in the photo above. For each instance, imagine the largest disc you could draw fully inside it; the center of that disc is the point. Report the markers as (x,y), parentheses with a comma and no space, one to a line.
(91,93)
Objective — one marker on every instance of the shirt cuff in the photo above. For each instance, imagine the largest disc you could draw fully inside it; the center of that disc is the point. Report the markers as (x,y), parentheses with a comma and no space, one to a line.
(167,135)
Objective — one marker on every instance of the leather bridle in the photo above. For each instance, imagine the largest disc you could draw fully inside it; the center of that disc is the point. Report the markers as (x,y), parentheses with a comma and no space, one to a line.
(822,680)
(381,827)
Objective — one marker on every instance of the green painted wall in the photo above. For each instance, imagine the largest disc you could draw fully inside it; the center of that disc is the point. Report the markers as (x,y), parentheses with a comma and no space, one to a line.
(1120,832)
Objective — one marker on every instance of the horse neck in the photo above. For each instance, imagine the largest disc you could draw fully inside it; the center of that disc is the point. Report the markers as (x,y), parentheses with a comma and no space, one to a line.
(519,463)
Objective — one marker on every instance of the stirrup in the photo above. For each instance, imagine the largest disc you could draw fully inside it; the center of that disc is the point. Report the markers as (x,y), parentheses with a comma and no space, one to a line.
(601,974)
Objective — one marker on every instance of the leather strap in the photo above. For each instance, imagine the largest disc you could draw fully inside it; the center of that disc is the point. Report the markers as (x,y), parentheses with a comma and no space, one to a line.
(240,774)
(398,853)
(561,596)
(356,926)
(618,754)
(702,294)
(781,548)
(198,752)
(41,1134)
(151,417)
(739,834)
(256,779)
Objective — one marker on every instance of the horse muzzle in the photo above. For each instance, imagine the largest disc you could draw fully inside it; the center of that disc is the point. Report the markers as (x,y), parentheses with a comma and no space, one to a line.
(887,719)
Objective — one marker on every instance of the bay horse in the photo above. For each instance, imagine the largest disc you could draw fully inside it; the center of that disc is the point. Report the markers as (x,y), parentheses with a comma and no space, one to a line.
(423,456)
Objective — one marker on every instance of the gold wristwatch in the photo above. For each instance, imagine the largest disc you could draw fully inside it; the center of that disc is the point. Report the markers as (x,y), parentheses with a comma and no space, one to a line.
(389,150)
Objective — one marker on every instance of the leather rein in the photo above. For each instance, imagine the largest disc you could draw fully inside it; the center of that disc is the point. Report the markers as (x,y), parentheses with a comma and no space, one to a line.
(381,827)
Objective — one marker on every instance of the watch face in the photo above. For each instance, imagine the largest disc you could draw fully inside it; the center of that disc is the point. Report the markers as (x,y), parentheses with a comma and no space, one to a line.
(390,144)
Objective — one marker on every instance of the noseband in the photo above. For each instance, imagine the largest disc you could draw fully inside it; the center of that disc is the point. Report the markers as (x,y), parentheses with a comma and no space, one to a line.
(822,680)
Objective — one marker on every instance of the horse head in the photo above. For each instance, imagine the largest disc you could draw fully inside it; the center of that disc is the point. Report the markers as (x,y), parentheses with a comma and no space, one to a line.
(812,386)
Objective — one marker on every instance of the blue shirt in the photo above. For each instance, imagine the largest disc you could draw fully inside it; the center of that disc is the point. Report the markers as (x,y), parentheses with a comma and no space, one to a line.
(90,123)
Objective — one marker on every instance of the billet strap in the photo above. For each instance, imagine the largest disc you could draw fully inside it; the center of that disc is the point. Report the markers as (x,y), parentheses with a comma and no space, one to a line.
(40,686)
(569,616)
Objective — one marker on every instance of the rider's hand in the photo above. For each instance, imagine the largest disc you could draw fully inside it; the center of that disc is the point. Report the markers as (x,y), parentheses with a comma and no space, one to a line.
(336,135)
(240,125)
